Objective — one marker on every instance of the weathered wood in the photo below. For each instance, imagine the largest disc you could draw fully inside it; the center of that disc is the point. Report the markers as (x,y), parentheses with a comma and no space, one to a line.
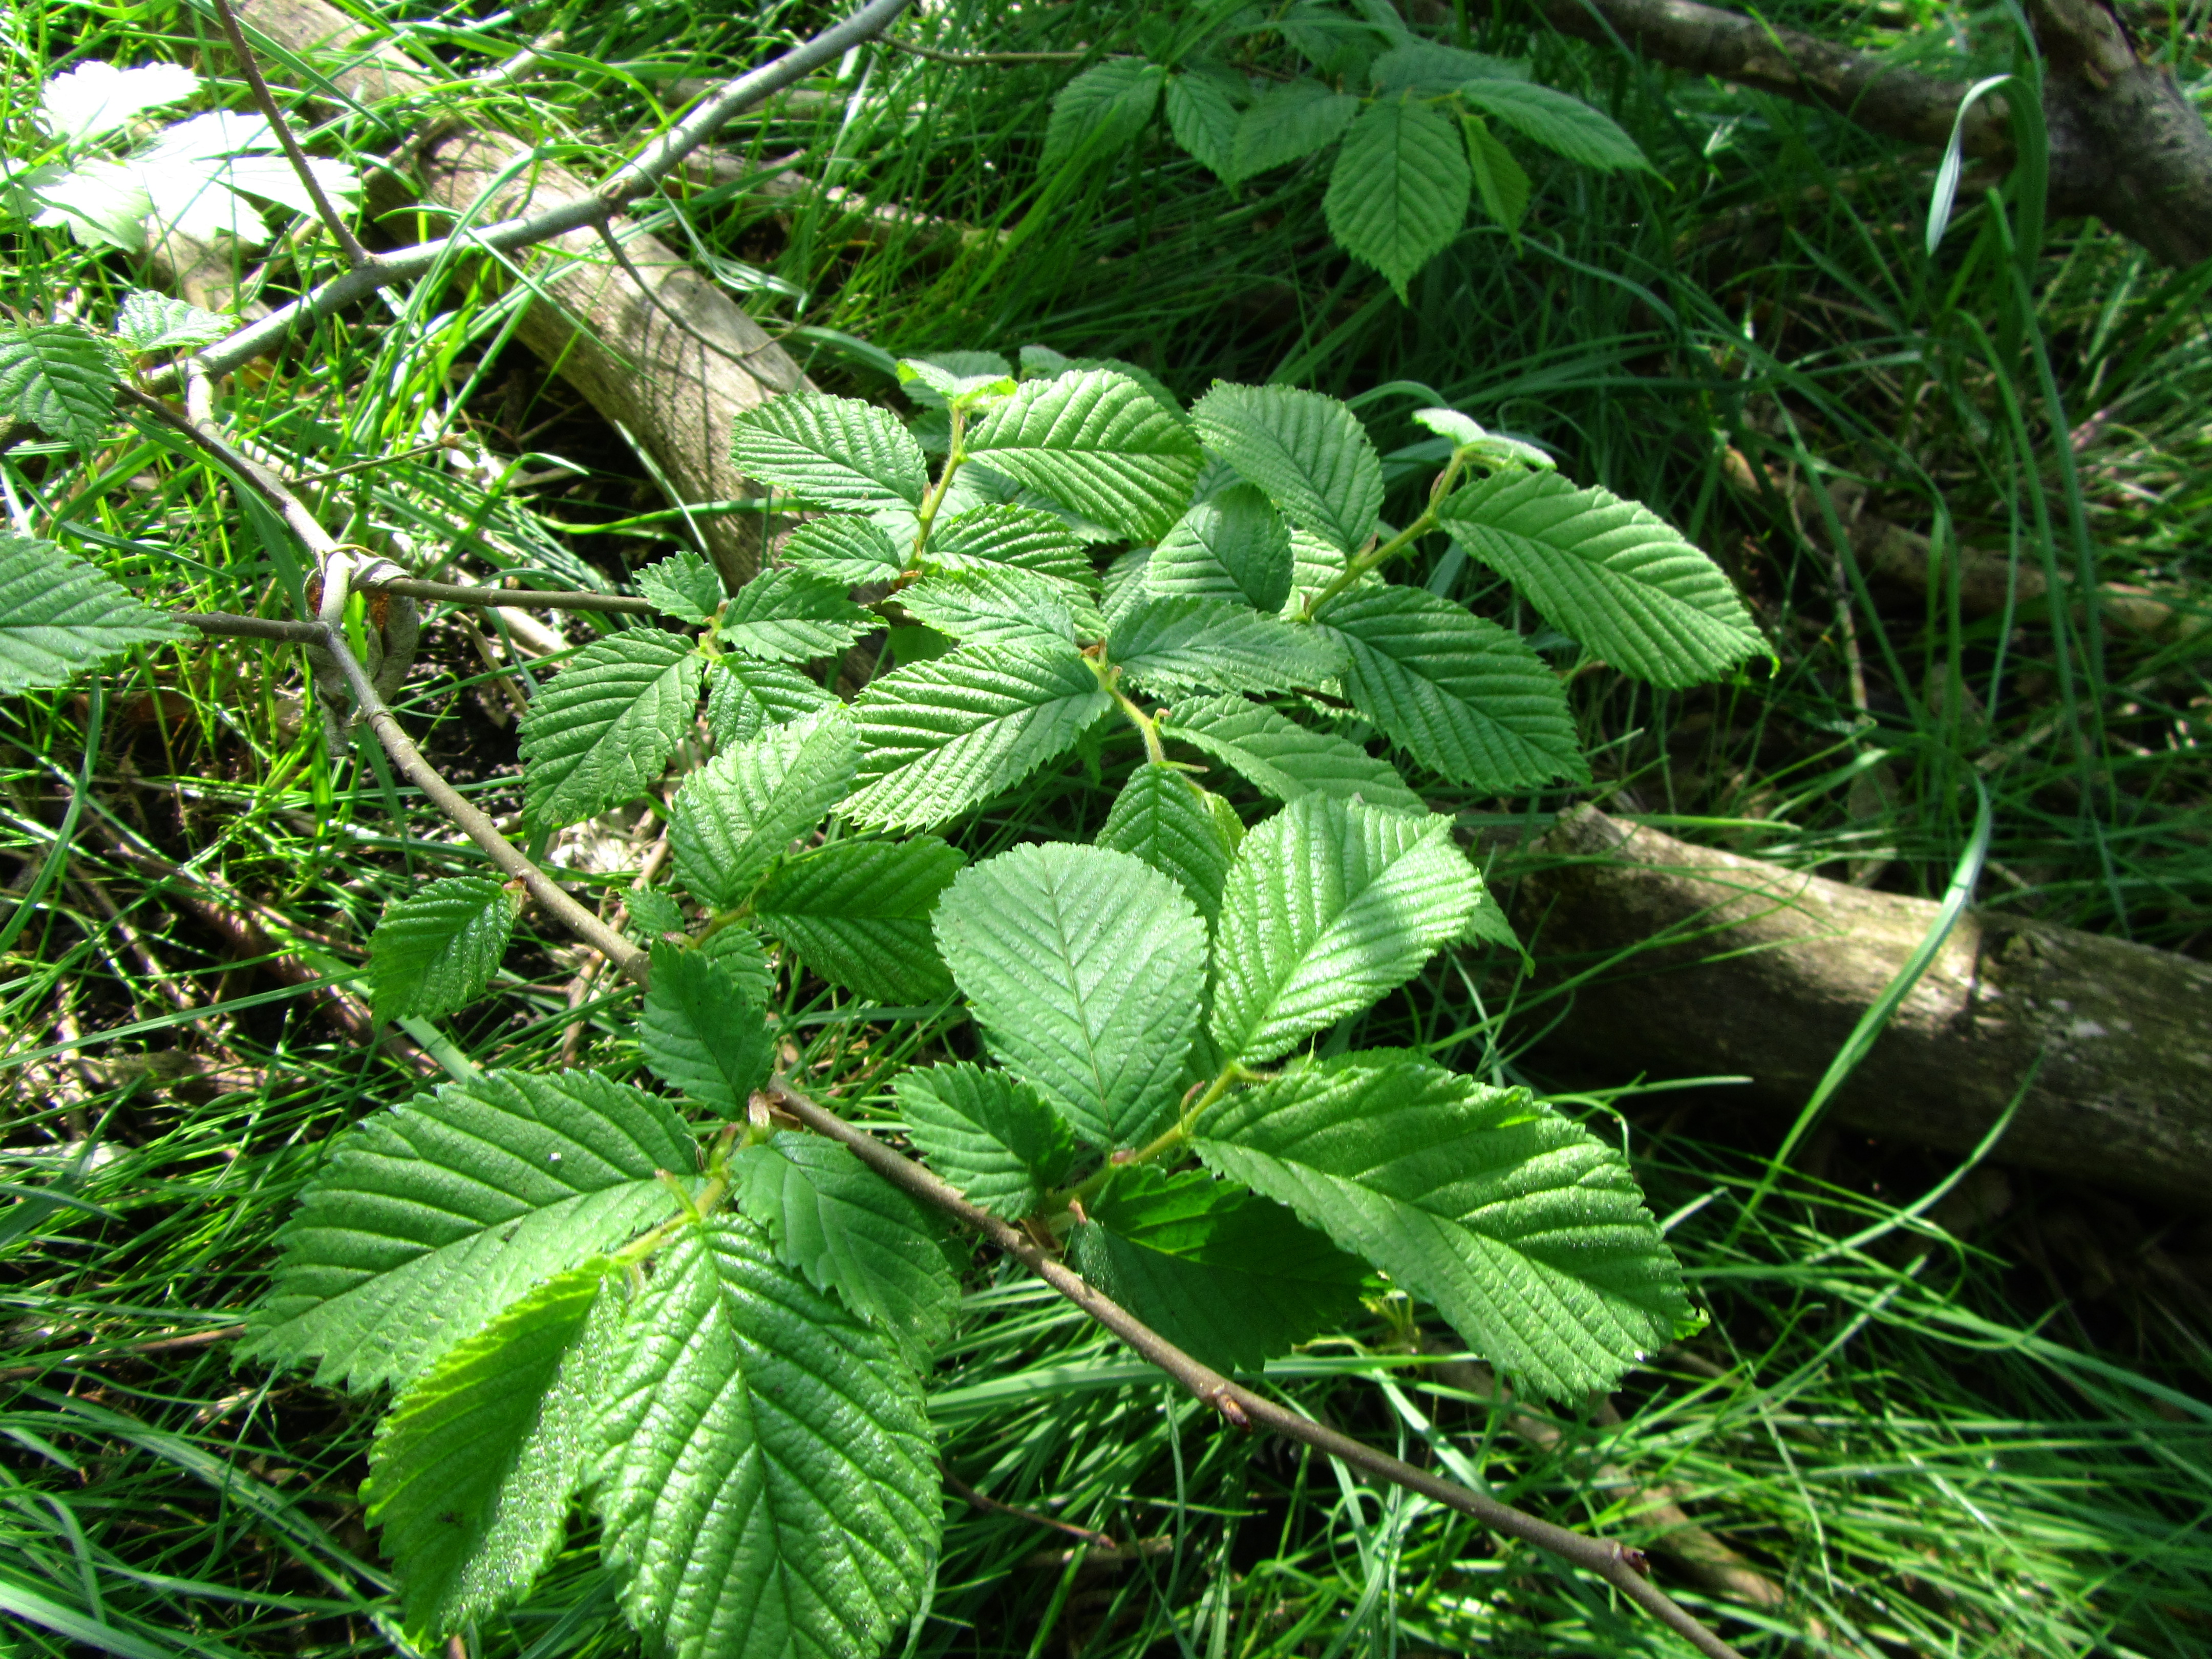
(604,334)
(1764,971)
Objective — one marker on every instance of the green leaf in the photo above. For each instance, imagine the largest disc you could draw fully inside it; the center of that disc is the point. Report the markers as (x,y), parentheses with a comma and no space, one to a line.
(429,1219)
(1430,70)
(999,537)
(682,586)
(1287,759)
(58,377)
(1501,184)
(1561,123)
(1097,441)
(1085,969)
(1172,646)
(768,1483)
(738,813)
(58,617)
(1229,1278)
(845,549)
(1400,189)
(852,1232)
(1203,119)
(1285,123)
(1329,905)
(943,735)
(654,913)
(987,1132)
(1525,1230)
(745,698)
(835,452)
(700,1033)
(857,912)
(147,321)
(436,950)
(947,381)
(789,616)
(1234,547)
(1306,453)
(1613,574)
(1163,818)
(1001,604)
(471,1473)
(1103,109)
(1489,925)
(1464,696)
(738,950)
(602,733)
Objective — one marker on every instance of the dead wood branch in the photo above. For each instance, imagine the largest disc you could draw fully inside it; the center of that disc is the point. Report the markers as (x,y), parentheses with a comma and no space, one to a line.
(1742,966)
(2126,146)
(1987,581)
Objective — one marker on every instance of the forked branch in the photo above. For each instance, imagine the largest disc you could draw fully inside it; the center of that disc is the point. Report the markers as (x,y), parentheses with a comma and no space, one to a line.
(1622,1568)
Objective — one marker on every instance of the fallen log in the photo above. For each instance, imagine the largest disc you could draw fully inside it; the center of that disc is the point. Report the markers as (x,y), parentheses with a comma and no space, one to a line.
(640,355)
(1735,966)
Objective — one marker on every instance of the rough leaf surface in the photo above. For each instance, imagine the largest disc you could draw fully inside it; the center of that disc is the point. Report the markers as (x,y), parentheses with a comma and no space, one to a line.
(436,952)
(1463,695)
(701,1032)
(835,452)
(59,378)
(471,1473)
(1003,535)
(741,812)
(1308,453)
(1328,905)
(857,912)
(1002,605)
(1287,759)
(602,733)
(1101,109)
(1286,123)
(845,549)
(987,1132)
(1231,1279)
(1232,546)
(1099,442)
(1086,969)
(1175,646)
(1400,189)
(745,698)
(1610,572)
(768,1483)
(852,1232)
(944,735)
(59,617)
(1525,1230)
(790,616)
(1163,817)
(431,1218)
(682,586)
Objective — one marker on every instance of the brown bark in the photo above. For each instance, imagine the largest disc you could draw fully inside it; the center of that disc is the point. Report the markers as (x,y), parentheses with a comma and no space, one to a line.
(2125,145)
(1753,969)
(604,333)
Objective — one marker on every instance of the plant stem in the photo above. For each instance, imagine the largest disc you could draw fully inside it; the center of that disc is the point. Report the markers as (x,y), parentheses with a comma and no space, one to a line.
(357,257)
(1397,544)
(1147,727)
(1167,1141)
(1622,1568)
(514,599)
(927,516)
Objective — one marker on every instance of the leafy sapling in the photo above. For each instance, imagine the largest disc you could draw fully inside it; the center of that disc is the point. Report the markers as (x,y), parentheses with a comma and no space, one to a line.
(641,1290)
(1417,127)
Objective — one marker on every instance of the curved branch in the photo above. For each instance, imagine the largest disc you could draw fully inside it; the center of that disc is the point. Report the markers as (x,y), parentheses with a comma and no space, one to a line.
(1622,1568)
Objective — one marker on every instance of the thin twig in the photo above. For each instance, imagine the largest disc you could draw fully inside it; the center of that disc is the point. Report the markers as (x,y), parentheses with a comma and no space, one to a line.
(1621,1567)
(357,257)
(961,1489)
(472,818)
(514,599)
(636,178)
(122,1350)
